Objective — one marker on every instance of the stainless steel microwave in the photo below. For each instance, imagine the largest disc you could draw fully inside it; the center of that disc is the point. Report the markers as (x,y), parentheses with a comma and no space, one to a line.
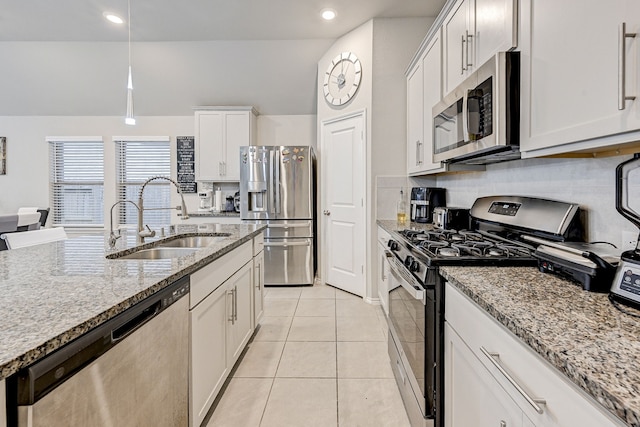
(479,121)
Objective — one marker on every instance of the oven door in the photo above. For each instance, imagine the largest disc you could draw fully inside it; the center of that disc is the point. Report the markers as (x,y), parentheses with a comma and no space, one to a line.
(412,325)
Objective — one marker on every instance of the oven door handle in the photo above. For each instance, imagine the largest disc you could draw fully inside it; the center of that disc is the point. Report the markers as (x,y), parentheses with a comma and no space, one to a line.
(415,291)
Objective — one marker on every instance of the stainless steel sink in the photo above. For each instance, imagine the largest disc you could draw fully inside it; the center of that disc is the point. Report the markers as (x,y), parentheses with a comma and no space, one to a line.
(159,253)
(193,241)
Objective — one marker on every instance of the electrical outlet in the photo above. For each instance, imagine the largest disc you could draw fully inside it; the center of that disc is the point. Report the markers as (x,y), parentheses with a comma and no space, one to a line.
(629,240)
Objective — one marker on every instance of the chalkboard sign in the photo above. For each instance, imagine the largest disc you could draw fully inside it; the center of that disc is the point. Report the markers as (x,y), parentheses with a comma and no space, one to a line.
(186,163)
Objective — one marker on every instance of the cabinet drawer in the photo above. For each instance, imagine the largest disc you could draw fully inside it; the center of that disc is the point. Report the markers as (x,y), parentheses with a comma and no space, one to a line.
(209,277)
(383,236)
(566,404)
(258,244)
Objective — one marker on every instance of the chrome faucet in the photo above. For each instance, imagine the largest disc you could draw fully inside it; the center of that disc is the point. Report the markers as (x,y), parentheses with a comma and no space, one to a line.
(148,232)
(112,236)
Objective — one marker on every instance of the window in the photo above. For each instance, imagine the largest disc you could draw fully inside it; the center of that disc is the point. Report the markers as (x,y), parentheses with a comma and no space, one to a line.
(76,181)
(138,159)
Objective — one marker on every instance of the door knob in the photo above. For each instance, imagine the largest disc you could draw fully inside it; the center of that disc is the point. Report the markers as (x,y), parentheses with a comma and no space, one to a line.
(326,212)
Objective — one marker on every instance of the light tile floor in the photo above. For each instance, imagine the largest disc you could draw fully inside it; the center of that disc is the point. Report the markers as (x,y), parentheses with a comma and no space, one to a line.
(319,359)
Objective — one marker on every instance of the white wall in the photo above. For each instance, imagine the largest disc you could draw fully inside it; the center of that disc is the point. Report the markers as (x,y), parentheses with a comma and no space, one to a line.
(588,182)
(384,47)
(287,130)
(27,180)
(169,78)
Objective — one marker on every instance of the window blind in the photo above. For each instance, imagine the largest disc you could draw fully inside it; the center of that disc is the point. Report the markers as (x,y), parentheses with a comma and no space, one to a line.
(138,160)
(76,181)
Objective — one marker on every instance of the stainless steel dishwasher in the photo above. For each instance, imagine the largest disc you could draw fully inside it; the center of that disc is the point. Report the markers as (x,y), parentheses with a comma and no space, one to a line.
(130,371)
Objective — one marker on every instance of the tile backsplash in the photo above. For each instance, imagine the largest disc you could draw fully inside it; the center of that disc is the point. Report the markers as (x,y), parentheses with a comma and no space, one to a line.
(589,182)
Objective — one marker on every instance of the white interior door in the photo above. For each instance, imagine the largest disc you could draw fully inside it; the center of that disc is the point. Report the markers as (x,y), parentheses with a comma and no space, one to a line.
(343,183)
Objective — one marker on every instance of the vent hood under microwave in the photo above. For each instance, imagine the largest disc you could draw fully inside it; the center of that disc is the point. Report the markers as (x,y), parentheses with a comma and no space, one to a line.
(479,121)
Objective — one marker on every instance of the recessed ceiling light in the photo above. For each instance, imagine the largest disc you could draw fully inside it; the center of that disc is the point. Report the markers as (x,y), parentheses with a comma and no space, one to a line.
(113,18)
(328,14)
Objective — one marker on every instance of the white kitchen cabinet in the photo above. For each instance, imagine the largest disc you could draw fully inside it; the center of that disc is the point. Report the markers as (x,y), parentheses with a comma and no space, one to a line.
(258,279)
(571,85)
(3,405)
(219,134)
(479,347)
(221,313)
(383,269)
(424,90)
(473,397)
(240,312)
(415,118)
(457,30)
(208,353)
(473,32)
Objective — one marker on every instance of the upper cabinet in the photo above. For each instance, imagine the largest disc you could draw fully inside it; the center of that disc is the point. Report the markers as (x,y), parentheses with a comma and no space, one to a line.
(424,90)
(473,31)
(580,72)
(219,134)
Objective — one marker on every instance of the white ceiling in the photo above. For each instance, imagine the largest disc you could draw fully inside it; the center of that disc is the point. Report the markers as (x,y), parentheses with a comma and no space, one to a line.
(191,20)
(185,53)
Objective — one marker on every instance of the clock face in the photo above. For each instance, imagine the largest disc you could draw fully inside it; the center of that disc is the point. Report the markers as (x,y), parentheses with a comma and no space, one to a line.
(342,79)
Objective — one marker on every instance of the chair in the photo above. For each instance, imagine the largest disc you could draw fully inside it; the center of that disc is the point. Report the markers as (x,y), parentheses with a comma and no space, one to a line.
(42,218)
(33,237)
(44,213)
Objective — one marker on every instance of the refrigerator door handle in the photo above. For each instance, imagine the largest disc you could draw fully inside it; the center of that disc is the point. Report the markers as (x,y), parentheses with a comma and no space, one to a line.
(285,244)
(272,195)
(292,225)
(277,181)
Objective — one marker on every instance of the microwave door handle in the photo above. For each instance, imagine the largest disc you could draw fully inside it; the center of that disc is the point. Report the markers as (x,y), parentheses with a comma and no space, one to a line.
(465,116)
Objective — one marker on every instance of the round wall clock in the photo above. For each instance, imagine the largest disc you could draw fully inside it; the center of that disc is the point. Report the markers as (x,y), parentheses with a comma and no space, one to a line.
(342,79)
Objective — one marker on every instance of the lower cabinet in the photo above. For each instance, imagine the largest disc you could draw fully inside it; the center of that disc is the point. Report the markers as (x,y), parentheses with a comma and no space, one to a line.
(258,279)
(492,378)
(221,323)
(472,395)
(3,406)
(383,270)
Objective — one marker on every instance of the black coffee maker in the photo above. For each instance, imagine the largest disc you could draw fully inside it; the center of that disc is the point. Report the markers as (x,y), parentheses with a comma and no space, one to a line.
(423,200)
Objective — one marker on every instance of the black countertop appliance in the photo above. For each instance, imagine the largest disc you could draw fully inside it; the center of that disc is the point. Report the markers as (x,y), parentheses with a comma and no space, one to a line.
(423,200)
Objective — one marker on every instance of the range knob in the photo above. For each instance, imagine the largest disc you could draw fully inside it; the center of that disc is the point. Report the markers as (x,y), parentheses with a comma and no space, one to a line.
(415,266)
(393,245)
(408,261)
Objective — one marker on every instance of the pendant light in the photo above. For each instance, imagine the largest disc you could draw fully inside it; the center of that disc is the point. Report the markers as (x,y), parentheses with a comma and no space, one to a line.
(129,119)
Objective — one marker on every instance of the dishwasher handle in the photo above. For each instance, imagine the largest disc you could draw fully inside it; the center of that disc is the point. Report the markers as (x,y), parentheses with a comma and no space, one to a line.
(129,327)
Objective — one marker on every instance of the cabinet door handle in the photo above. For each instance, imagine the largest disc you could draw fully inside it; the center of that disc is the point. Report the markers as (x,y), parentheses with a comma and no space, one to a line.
(220,168)
(622,64)
(468,36)
(231,318)
(418,145)
(535,403)
(503,423)
(462,61)
(258,273)
(235,304)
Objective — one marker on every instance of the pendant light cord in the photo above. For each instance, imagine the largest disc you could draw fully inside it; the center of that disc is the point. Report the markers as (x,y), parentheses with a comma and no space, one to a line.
(129,25)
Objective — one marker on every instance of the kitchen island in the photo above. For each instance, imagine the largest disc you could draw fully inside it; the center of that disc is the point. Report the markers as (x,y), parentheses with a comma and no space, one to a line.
(56,292)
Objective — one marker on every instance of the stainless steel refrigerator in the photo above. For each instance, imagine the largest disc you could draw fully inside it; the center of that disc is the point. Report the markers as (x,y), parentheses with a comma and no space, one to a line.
(277,188)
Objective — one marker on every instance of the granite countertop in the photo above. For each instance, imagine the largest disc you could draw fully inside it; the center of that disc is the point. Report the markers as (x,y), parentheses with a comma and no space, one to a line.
(580,333)
(55,292)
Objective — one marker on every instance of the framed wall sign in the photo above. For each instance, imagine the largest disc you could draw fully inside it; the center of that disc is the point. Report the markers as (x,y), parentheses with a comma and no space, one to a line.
(185,158)
(3,155)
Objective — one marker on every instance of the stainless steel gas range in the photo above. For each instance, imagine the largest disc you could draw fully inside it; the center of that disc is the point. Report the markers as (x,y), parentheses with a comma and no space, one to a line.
(416,289)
